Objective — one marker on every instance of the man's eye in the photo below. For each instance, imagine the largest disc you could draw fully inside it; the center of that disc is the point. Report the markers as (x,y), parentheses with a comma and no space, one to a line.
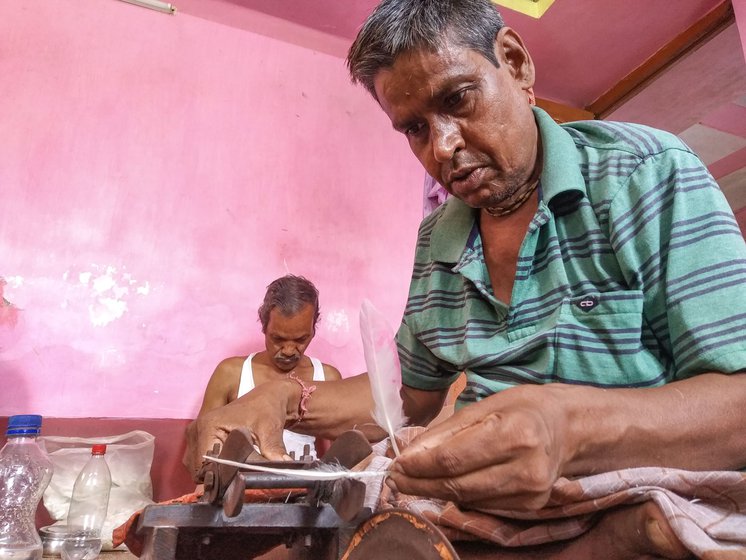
(455,98)
(414,129)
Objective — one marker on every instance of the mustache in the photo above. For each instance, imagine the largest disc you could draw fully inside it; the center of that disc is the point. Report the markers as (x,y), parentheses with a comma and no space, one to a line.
(282,358)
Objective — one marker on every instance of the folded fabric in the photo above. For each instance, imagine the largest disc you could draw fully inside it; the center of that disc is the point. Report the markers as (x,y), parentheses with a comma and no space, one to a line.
(706,510)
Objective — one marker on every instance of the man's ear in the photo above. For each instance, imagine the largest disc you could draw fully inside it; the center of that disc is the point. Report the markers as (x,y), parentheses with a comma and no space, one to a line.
(510,51)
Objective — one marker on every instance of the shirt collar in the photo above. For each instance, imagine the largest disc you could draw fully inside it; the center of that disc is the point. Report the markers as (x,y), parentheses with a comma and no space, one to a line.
(560,173)
(451,232)
(560,179)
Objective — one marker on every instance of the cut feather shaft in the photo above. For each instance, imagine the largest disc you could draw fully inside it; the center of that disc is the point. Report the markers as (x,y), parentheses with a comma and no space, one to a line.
(384,371)
(308,474)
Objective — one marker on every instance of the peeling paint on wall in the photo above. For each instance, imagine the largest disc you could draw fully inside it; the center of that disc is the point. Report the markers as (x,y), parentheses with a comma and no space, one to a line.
(9,317)
(8,311)
(109,290)
(335,327)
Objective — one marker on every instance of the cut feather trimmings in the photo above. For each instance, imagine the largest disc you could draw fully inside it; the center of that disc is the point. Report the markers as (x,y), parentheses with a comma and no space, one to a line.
(328,472)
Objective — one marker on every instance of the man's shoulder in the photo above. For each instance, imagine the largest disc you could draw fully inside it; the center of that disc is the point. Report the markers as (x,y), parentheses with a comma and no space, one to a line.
(231,364)
(330,372)
(634,139)
(226,377)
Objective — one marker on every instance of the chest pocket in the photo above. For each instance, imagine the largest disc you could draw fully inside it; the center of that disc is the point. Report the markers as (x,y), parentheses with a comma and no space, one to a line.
(598,341)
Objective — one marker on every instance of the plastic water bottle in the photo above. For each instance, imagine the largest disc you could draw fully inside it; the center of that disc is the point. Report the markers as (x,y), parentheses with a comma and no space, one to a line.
(25,471)
(88,505)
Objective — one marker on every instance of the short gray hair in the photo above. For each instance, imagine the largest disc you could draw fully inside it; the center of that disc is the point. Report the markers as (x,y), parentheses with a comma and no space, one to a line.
(397,26)
(289,294)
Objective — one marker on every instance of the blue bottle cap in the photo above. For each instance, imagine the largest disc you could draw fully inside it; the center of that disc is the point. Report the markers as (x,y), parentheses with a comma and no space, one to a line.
(24,425)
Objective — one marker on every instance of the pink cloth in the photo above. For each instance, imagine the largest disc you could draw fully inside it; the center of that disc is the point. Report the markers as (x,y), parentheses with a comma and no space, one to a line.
(433,195)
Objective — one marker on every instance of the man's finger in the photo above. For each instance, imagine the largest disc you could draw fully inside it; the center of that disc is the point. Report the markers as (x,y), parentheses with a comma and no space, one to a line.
(456,452)
(271,445)
(500,487)
(447,430)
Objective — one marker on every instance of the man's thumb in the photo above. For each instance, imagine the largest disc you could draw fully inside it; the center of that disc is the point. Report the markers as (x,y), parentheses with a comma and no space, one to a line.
(272,448)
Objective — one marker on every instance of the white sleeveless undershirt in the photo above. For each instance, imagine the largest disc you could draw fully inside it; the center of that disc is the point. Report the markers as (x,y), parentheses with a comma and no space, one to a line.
(293,441)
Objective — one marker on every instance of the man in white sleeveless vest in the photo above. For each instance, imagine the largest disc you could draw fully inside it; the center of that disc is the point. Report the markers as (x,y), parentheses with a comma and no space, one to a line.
(288,316)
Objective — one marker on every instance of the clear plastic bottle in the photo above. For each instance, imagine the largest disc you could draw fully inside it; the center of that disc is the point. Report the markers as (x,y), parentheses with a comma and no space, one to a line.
(25,471)
(88,506)
(90,497)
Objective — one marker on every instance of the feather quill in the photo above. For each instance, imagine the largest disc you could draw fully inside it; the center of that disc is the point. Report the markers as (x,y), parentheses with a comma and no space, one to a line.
(327,472)
(384,370)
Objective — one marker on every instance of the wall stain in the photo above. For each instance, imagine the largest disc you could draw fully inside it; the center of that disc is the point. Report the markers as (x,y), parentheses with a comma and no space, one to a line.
(8,311)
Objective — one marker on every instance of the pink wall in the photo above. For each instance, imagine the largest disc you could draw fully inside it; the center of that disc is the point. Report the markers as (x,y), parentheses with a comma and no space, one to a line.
(157,173)
(739,9)
(741,218)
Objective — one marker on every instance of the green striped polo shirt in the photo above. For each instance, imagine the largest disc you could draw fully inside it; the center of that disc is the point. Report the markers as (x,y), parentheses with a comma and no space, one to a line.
(631,274)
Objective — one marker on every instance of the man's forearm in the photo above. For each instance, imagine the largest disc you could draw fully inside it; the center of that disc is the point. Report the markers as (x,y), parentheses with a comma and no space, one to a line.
(334,407)
(694,424)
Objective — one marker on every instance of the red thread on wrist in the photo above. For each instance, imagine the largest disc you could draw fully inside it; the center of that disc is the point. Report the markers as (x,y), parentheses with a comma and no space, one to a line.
(305,395)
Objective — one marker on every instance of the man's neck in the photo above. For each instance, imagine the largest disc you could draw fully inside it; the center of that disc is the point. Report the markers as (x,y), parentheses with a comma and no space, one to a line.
(524,192)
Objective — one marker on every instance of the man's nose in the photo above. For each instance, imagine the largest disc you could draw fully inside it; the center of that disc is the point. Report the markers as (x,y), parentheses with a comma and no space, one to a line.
(289,350)
(446,139)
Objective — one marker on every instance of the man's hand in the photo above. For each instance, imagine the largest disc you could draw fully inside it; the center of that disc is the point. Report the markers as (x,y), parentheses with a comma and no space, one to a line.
(504,452)
(262,410)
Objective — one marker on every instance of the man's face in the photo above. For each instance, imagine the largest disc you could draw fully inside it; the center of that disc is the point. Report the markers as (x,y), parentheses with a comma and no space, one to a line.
(468,122)
(287,336)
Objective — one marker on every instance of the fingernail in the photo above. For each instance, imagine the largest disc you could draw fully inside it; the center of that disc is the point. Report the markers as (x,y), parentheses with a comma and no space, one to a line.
(660,538)
(391,484)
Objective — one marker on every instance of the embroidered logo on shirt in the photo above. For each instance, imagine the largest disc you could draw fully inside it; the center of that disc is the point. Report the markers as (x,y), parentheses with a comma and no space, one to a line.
(587,303)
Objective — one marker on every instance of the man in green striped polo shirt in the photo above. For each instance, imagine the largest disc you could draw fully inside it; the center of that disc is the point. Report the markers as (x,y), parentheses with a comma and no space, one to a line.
(590,280)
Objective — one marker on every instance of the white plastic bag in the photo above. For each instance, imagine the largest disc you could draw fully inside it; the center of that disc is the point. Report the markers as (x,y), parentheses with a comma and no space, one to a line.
(129,457)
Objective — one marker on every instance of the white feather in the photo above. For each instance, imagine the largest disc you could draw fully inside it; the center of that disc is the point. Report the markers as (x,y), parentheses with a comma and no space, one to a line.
(384,370)
(308,474)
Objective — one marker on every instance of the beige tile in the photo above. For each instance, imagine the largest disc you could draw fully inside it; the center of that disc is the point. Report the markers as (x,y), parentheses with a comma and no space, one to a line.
(734,188)
(711,145)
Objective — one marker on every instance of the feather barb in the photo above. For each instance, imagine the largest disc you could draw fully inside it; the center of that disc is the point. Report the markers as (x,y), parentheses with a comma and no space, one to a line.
(330,473)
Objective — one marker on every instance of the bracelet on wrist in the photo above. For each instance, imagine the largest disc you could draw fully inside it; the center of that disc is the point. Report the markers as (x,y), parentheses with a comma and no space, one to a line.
(305,396)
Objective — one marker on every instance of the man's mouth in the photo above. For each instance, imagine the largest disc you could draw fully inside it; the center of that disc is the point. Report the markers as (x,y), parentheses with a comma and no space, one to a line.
(463,181)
